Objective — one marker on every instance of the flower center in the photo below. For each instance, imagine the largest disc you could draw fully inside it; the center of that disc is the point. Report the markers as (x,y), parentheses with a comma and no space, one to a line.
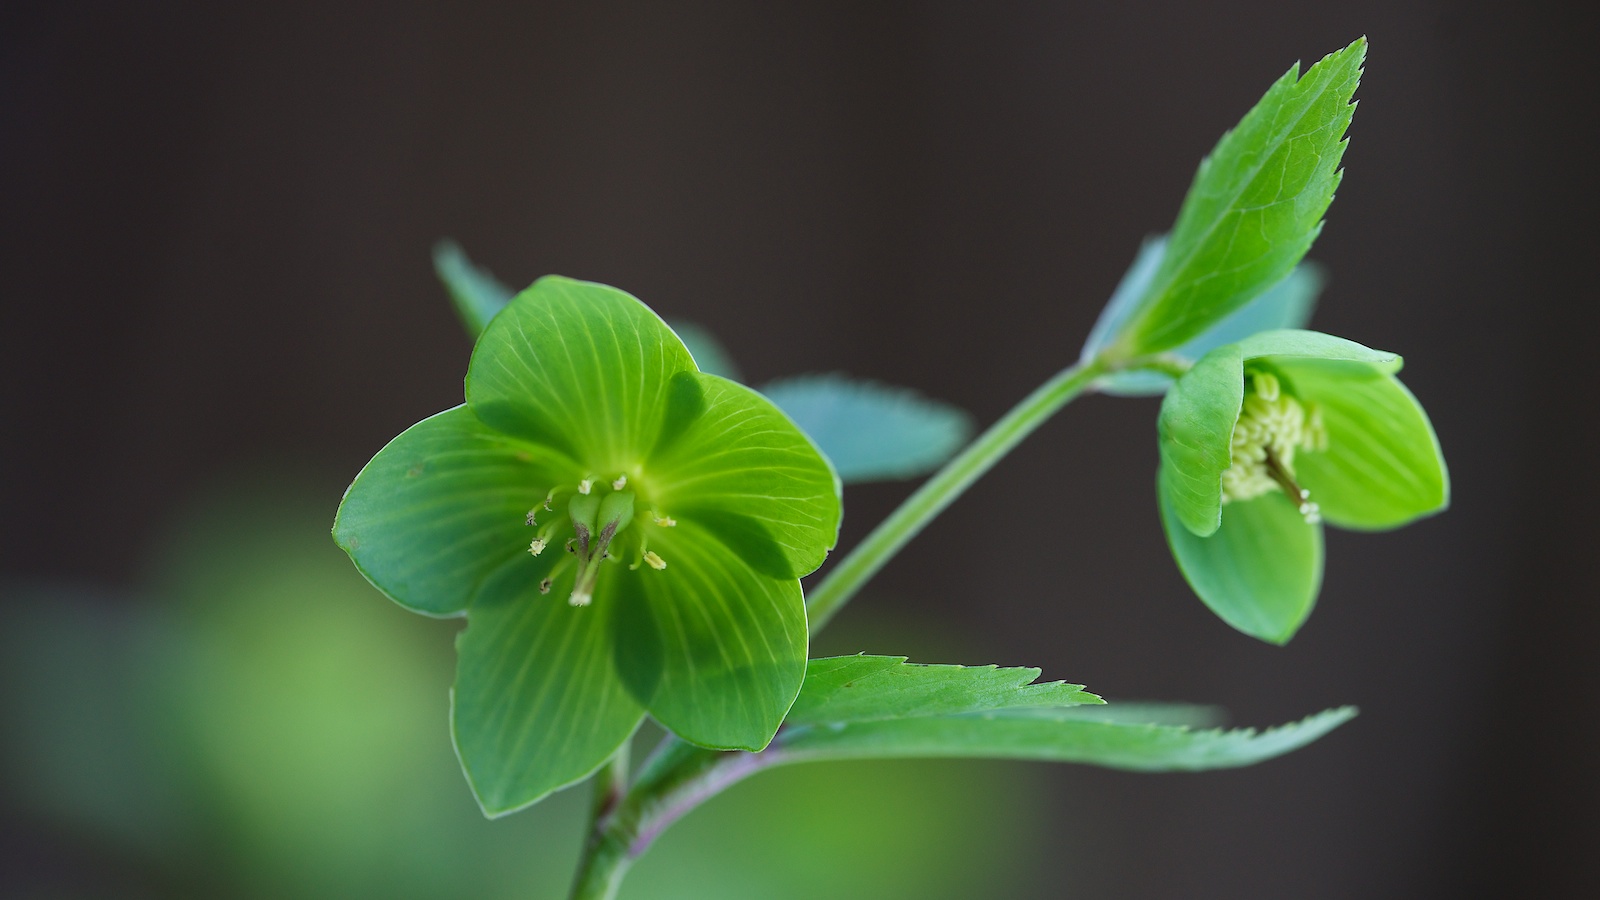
(1272,427)
(597,521)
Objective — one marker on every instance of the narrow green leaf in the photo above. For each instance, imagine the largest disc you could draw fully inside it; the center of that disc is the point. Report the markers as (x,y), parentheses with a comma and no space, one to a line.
(441,507)
(538,704)
(1260,572)
(1255,206)
(865,688)
(871,431)
(1069,735)
(708,352)
(1195,431)
(1383,466)
(715,650)
(478,296)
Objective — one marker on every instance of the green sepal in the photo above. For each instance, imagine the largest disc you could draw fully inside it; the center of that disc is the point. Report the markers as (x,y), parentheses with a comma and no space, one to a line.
(1383,467)
(1259,572)
(865,688)
(538,703)
(443,506)
(714,648)
(1254,208)
(1194,433)
(1300,344)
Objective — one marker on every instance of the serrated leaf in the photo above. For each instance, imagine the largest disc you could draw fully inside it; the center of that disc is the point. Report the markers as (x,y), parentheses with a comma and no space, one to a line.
(1260,572)
(478,296)
(1055,736)
(1255,206)
(865,688)
(871,431)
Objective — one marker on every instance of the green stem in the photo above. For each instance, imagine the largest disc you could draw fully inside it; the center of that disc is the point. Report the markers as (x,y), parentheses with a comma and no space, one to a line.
(943,488)
(605,858)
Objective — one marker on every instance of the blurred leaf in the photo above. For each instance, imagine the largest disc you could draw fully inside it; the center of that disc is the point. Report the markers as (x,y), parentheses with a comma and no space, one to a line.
(708,352)
(477,294)
(1255,206)
(1056,736)
(1260,572)
(864,688)
(1287,304)
(871,431)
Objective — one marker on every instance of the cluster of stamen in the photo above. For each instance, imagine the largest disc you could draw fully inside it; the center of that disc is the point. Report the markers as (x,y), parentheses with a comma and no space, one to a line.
(1272,427)
(596,523)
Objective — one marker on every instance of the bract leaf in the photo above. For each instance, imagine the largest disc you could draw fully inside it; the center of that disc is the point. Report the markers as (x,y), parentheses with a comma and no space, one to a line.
(478,296)
(743,471)
(538,703)
(578,366)
(1287,304)
(1255,205)
(865,688)
(441,507)
(1383,466)
(714,649)
(871,431)
(1065,735)
(1194,431)
(1260,572)
(708,352)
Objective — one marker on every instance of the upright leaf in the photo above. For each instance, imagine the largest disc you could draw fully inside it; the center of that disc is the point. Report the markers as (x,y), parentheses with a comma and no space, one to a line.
(1255,206)
(476,293)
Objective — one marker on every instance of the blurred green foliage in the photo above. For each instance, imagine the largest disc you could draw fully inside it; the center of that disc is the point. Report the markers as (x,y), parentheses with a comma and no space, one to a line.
(260,722)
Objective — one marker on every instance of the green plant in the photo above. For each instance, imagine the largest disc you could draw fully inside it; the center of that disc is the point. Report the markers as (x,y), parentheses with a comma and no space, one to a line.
(625,530)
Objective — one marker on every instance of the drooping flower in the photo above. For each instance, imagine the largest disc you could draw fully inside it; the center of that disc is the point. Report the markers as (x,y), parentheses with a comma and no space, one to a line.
(623,532)
(1264,440)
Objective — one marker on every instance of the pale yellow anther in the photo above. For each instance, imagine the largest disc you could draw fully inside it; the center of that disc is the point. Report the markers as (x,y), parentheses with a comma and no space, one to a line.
(654,561)
(586,485)
(538,545)
(1272,427)
(663,521)
(620,483)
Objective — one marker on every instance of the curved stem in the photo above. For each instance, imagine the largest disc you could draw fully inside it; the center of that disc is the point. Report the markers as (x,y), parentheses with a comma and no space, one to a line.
(943,488)
(605,859)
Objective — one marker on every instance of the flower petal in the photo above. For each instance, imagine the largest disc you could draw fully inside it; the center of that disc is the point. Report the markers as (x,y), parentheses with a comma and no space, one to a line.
(1383,466)
(1296,343)
(1260,572)
(580,367)
(716,650)
(441,507)
(1196,429)
(538,704)
(743,470)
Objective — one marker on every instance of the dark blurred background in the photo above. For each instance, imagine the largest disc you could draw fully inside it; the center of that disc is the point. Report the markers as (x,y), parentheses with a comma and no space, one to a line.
(218,303)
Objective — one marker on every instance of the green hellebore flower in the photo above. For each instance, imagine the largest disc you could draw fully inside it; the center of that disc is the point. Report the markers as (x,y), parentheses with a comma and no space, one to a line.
(1262,441)
(623,532)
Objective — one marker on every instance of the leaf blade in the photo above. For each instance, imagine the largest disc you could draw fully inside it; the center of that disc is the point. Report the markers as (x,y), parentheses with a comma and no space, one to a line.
(477,295)
(871,431)
(866,688)
(1255,206)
